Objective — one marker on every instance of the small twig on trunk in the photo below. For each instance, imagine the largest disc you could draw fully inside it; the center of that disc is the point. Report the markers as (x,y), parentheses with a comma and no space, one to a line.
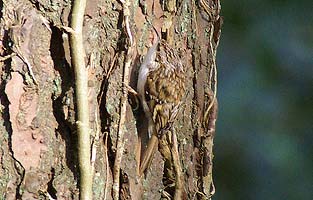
(121,128)
(177,168)
(95,143)
(212,75)
(4,58)
(106,166)
(81,90)
(25,60)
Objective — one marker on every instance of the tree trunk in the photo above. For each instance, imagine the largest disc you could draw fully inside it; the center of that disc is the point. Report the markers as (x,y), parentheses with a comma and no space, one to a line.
(38,139)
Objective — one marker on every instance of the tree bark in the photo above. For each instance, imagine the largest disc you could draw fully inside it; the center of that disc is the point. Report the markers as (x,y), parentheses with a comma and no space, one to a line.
(38,138)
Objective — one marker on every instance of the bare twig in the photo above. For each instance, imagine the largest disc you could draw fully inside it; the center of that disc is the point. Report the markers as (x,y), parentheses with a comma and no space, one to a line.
(213,73)
(95,143)
(4,58)
(107,76)
(177,168)
(106,166)
(25,60)
(81,89)
(121,128)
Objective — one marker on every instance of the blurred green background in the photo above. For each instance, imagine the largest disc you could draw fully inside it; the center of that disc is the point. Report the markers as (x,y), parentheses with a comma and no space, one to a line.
(264,140)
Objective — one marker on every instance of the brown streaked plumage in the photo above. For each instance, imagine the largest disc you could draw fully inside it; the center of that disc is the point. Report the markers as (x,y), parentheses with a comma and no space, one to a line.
(163,92)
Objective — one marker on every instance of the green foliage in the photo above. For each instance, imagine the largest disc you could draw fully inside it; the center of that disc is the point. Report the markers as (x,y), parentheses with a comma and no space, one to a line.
(263,147)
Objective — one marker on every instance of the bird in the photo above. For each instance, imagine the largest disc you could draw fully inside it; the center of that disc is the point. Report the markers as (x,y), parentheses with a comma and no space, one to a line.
(161,88)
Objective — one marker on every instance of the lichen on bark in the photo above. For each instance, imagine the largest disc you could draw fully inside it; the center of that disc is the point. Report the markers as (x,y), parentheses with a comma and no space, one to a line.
(45,115)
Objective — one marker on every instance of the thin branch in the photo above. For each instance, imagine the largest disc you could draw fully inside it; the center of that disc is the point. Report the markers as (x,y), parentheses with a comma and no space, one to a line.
(213,73)
(81,90)
(25,60)
(121,128)
(95,143)
(4,58)
(106,166)
(177,168)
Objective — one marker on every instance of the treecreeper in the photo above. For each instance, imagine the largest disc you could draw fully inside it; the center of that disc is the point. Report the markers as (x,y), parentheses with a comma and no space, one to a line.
(161,88)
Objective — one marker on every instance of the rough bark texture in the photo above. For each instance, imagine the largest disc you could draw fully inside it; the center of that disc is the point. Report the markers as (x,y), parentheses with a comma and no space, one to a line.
(38,157)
